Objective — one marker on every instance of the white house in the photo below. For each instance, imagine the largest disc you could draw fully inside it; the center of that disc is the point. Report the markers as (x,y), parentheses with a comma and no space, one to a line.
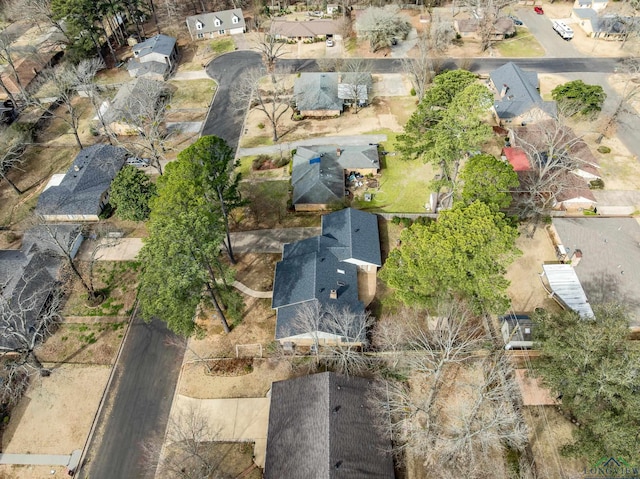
(214,24)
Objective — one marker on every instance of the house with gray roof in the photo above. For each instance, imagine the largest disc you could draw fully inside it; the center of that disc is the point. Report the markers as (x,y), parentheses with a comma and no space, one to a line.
(322,426)
(322,272)
(306,31)
(215,24)
(82,193)
(605,255)
(316,94)
(154,58)
(605,26)
(30,275)
(591,4)
(519,101)
(318,173)
(138,98)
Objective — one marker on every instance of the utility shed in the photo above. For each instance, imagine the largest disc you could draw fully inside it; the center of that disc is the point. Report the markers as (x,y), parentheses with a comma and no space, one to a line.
(322,427)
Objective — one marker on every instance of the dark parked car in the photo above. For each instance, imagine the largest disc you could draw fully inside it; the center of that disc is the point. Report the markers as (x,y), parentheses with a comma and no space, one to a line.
(538,10)
(516,20)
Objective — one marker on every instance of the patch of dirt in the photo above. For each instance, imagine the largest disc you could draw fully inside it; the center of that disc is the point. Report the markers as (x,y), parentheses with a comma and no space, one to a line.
(256,270)
(229,367)
(526,291)
(55,415)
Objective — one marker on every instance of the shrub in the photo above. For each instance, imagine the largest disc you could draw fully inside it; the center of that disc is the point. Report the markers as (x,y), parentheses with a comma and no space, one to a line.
(413,92)
(282,162)
(597,184)
(406,222)
(261,126)
(259,161)
(604,149)
(396,220)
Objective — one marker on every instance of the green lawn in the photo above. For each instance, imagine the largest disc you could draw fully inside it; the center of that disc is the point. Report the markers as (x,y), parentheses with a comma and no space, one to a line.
(192,93)
(222,45)
(404,185)
(524,44)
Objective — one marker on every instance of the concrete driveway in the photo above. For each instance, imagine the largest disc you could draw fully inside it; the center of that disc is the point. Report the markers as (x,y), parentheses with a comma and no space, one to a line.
(269,241)
(541,27)
(233,420)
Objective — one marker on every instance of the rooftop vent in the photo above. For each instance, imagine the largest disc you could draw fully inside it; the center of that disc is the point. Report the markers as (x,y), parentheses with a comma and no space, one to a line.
(76,168)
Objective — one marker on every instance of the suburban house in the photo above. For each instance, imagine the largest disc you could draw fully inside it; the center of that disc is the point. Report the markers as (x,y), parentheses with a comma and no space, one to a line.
(214,24)
(502,28)
(30,275)
(27,68)
(532,143)
(306,31)
(326,94)
(608,27)
(605,258)
(318,173)
(594,4)
(82,193)
(154,58)
(322,272)
(517,331)
(323,426)
(133,99)
(519,101)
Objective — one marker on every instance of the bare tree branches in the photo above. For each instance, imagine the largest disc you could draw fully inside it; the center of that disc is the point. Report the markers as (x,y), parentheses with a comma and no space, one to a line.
(381,25)
(12,145)
(271,49)
(271,98)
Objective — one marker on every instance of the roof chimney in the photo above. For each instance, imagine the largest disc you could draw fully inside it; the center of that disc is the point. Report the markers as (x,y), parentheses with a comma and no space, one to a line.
(338,151)
(503,92)
(576,257)
(333,294)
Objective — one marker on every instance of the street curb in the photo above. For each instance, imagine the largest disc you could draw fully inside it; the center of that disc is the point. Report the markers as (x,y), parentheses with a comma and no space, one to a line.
(107,389)
(210,104)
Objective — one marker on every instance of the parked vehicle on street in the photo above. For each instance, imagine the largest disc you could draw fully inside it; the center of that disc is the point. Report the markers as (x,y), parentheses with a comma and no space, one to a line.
(538,10)
(563,30)
(516,20)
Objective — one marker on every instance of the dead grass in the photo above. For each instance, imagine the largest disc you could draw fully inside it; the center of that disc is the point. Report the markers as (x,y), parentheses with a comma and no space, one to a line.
(192,93)
(256,270)
(232,459)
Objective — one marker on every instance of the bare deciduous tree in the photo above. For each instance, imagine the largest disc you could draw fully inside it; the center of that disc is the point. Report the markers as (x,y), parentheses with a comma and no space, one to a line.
(187,453)
(271,49)
(487,12)
(7,57)
(12,145)
(420,69)
(356,83)
(631,70)
(272,98)
(381,25)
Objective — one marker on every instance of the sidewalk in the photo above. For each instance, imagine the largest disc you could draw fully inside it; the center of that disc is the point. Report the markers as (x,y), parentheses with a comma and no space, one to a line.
(70,461)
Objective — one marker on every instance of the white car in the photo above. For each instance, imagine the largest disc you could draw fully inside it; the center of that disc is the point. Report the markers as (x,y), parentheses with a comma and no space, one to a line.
(329,42)
(137,162)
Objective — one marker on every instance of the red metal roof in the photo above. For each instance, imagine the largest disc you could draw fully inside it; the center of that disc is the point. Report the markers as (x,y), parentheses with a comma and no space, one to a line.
(518,158)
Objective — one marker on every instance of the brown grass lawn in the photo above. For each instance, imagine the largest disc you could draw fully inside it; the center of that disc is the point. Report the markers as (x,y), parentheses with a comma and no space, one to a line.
(192,93)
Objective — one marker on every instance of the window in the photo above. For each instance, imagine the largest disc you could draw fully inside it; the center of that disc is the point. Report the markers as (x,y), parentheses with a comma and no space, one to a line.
(199,25)
(217,22)
(221,32)
(200,35)
(235,19)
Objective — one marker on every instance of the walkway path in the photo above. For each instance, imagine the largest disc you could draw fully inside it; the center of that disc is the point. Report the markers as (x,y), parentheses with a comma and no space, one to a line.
(324,140)
(269,241)
(70,461)
(238,419)
(251,292)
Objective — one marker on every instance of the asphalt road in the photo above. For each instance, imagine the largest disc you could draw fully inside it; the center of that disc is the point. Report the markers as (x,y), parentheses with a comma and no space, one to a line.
(541,27)
(224,119)
(138,403)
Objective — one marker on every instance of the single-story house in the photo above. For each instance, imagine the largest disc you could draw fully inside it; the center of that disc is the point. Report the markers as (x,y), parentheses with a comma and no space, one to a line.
(605,256)
(308,31)
(318,173)
(502,28)
(30,275)
(608,27)
(27,69)
(322,271)
(154,58)
(134,98)
(214,24)
(82,193)
(594,4)
(326,94)
(323,426)
(519,101)
(517,331)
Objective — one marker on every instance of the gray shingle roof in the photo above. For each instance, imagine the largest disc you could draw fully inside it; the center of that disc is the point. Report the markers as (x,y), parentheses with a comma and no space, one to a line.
(610,266)
(322,427)
(311,268)
(208,21)
(317,174)
(312,28)
(132,98)
(358,231)
(82,187)
(522,92)
(161,44)
(317,91)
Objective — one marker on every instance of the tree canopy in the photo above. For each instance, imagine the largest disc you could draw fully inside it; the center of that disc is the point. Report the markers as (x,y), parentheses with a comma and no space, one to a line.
(181,256)
(130,194)
(489,180)
(463,254)
(593,366)
(578,98)
(381,25)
